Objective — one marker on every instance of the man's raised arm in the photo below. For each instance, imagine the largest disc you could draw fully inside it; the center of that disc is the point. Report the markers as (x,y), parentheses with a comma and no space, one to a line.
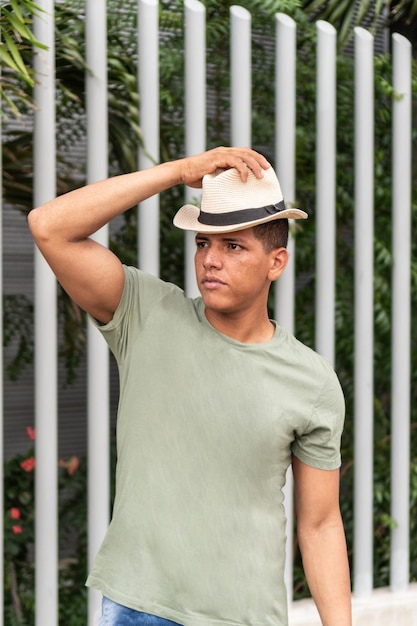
(90,273)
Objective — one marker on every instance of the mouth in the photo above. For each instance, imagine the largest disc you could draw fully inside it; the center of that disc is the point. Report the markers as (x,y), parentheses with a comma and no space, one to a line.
(210,282)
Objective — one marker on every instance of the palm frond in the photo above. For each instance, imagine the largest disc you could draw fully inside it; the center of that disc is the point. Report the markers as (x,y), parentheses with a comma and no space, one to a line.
(16,38)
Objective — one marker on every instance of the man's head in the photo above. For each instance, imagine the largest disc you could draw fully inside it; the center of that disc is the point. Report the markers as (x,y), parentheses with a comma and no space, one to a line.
(228,204)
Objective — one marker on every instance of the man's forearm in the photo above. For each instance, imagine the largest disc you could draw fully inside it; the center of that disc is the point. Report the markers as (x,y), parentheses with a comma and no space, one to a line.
(327,570)
(79,213)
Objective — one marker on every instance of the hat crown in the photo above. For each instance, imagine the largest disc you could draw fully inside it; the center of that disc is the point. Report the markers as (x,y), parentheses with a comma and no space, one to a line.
(229,204)
(224,191)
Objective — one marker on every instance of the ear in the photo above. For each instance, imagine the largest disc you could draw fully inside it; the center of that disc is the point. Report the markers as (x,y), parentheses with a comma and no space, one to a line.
(279,260)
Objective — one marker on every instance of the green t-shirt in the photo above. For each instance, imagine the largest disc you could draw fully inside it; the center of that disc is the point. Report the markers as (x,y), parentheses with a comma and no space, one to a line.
(206,428)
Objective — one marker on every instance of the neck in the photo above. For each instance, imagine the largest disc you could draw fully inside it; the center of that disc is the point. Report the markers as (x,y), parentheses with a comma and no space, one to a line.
(242,327)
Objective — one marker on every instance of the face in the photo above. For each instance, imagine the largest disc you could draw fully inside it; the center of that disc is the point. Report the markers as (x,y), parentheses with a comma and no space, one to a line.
(234,272)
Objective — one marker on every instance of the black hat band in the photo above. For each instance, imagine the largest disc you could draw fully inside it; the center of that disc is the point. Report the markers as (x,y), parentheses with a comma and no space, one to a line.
(240,217)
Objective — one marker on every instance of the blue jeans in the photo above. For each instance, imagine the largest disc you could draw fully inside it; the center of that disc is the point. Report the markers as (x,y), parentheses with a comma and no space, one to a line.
(114,614)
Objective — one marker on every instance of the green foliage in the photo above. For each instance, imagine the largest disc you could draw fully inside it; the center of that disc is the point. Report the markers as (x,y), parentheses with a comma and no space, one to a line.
(345,15)
(16,37)
(404,11)
(72,348)
(18,328)
(19,517)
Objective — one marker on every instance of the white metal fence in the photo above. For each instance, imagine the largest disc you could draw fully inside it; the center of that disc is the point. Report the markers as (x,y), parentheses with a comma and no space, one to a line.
(195,133)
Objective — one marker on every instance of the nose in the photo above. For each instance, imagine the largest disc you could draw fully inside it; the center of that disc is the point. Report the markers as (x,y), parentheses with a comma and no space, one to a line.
(212,258)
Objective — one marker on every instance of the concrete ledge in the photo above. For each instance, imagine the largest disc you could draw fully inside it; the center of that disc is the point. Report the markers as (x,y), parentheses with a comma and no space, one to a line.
(382,608)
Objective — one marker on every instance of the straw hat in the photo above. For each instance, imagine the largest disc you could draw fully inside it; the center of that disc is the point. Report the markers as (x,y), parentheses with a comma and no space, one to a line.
(229,204)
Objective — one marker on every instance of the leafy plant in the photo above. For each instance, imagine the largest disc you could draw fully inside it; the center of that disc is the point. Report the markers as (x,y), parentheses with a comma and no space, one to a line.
(18,328)
(19,517)
(16,37)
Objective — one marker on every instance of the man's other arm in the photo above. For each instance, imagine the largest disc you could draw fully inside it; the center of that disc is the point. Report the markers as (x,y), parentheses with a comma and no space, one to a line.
(322,542)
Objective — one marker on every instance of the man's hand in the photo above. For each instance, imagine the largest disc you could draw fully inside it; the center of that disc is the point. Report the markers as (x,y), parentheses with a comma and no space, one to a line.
(194,168)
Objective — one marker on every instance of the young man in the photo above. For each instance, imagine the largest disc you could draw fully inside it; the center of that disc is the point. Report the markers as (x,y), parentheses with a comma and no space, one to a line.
(216,400)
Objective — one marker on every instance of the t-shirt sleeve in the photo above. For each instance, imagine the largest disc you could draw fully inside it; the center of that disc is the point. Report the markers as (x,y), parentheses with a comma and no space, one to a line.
(318,444)
(141,293)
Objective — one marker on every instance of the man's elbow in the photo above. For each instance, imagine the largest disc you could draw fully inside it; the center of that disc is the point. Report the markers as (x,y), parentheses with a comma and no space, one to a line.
(36,225)
(319,524)
(41,228)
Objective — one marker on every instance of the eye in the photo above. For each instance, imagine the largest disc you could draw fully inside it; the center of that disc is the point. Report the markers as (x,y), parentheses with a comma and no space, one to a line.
(234,246)
(201,244)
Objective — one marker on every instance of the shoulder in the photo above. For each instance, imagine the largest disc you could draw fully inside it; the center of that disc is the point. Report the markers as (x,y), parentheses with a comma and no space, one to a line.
(305,359)
(147,302)
(314,379)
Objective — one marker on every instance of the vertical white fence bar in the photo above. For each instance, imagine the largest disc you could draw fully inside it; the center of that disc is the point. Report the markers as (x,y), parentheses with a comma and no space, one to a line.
(46,495)
(240,79)
(148,81)
(363,362)
(326,189)
(285,94)
(401,296)
(285,108)
(195,113)
(98,354)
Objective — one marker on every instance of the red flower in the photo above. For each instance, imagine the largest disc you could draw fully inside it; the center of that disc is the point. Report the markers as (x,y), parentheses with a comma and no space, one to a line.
(15,513)
(17,530)
(73,465)
(31,433)
(28,464)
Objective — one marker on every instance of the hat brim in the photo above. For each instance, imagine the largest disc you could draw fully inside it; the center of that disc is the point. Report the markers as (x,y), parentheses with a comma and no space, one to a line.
(187,216)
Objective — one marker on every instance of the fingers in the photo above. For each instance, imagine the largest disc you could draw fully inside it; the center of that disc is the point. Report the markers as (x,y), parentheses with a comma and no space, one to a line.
(243,159)
(250,159)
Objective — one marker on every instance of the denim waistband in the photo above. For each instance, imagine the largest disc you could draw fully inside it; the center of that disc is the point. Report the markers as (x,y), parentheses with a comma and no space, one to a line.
(114,614)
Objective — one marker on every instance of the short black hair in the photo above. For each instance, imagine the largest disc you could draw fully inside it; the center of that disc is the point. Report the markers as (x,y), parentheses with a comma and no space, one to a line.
(273,234)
